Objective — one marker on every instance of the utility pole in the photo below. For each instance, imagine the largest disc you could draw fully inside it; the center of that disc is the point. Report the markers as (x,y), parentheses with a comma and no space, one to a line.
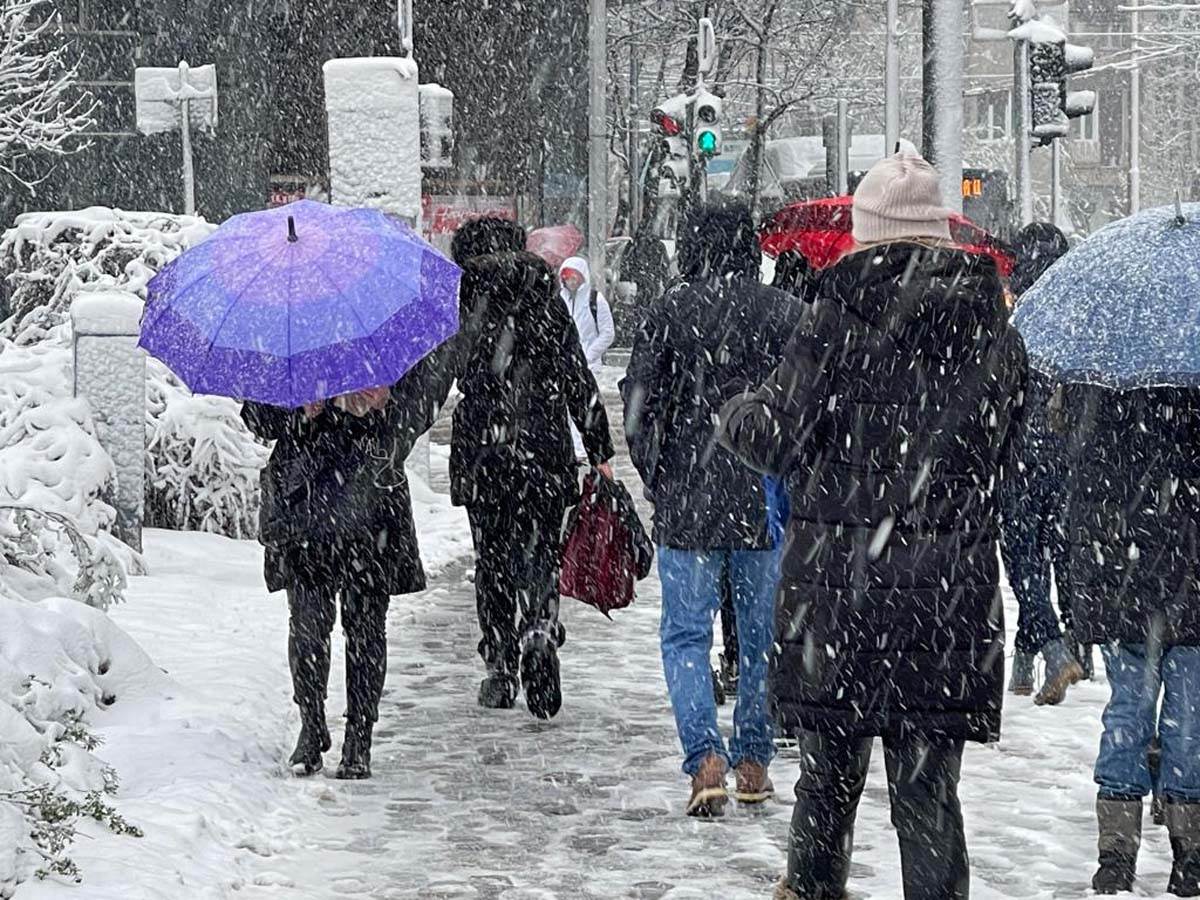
(1023,101)
(635,193)
(891,78)
(1135,111)
(597,146)
(942,89)
(1055,182)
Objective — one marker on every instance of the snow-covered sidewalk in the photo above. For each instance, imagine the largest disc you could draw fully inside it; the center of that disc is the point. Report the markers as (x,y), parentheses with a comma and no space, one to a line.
(485,804)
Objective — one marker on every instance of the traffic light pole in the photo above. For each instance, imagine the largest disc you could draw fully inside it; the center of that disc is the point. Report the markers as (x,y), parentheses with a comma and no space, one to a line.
(597,144)
(1135,111)
(1024,109)
(891,79)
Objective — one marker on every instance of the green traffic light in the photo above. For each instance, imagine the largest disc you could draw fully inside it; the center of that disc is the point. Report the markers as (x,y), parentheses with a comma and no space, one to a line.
(706,142)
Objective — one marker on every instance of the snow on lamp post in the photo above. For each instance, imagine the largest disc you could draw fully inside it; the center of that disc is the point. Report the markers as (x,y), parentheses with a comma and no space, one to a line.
(182,98)
(110,373)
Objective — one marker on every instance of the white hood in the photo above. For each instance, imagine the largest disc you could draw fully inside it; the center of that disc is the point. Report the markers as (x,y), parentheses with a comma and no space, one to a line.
(595,332)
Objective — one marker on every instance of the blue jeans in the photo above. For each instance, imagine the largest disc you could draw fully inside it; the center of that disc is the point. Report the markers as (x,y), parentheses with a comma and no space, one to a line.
(691,593)
(1132,717)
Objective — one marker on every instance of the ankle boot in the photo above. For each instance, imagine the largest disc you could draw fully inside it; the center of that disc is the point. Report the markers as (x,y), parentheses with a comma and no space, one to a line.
(356,750)
(1183,825)
(1120,824)
(1021,682)
(1062,671)
(313,741)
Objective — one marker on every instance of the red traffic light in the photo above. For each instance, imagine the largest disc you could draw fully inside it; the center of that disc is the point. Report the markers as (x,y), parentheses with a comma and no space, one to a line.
(666,124)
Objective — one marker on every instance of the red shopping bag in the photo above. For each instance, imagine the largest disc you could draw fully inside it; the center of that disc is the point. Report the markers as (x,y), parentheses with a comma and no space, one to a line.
(607,549)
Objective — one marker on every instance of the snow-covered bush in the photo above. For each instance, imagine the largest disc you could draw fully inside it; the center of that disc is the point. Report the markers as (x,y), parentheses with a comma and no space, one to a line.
(202,464)
(60,663)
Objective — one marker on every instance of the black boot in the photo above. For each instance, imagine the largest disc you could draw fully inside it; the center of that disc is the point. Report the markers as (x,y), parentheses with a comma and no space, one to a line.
(498,690)
(1120,824)
(540,675)
(1183,824)
(313,741)
(356,751)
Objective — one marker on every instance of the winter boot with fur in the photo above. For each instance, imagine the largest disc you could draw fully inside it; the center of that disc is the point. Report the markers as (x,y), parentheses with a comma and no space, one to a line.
(1183,825)
(540,674)
(1082,652)
(313,741)
(1021,683)
(709,795)
(752,784)
(356,750)
(1120,824)
(1062,671)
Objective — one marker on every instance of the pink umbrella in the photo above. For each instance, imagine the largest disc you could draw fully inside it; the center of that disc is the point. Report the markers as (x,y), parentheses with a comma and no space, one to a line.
(555,243)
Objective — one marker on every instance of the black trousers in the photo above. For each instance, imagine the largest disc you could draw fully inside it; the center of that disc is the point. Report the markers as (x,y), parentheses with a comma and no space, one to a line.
(312,606)
(923,788)
(517,559)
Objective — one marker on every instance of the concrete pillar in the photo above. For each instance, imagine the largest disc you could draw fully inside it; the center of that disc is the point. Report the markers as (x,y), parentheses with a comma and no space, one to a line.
(110,373)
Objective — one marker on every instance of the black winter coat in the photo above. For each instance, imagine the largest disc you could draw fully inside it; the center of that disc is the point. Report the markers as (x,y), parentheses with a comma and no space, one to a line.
(522,376)
(889,419)
(1133,513)
(335,499)
(702,342)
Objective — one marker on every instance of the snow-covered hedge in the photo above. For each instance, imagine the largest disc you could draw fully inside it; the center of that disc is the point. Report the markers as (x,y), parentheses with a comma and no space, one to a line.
(202,464)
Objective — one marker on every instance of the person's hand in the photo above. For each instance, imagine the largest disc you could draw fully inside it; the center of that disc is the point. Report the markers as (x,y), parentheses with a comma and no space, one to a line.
(312,410)
(367,400)
(606,469)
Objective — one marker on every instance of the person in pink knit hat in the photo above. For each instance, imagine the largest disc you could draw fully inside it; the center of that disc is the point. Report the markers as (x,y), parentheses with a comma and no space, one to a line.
(889,420)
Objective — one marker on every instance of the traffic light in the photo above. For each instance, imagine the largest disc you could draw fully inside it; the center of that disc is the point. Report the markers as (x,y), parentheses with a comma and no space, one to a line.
(1050,62)
(1077,103)
(670,116)
(707,129)
(674,174)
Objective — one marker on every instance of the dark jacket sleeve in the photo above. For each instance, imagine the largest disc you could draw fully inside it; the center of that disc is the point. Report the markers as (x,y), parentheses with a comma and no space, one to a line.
(772,428)
(420,395)
(642,393)
(580,388)
(268,422)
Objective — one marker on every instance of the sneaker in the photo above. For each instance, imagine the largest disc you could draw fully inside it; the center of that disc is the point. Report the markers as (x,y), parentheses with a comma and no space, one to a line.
(1021,683)
(709,795)
(1062,671)
(540,675)
(752,785)
(356,752)
(498,691)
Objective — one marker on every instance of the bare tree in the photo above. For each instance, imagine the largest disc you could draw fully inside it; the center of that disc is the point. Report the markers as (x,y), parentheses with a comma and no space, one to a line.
(43,109)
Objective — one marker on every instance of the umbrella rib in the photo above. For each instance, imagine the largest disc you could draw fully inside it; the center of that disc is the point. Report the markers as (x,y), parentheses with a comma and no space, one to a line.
(369,335)
(240,294)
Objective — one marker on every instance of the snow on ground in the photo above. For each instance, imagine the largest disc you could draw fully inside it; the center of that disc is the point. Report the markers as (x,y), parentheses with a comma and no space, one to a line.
(472,803)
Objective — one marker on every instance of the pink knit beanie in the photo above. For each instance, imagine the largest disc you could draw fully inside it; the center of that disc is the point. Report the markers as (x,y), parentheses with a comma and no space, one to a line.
(900,198)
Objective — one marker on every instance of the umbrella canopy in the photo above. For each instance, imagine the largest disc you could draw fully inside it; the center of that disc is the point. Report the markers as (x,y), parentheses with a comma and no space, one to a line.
(555,243)
(1122,309)
(821,230)
(301,303)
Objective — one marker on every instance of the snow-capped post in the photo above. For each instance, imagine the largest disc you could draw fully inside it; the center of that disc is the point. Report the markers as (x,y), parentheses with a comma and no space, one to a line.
(1022,11)
(110,373)
(942,93)
(181,98)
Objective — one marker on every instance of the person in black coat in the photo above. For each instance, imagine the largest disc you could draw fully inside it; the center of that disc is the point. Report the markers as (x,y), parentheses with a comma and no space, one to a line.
(522,376)
(889,418)
(715,333)
(336,524)
(1133,525)
(1033,544)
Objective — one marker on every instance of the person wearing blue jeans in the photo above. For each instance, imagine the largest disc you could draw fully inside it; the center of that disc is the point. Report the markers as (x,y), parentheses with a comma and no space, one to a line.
(691,593)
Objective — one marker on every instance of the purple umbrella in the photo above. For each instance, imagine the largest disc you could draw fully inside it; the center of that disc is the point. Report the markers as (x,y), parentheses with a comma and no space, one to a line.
(301,303)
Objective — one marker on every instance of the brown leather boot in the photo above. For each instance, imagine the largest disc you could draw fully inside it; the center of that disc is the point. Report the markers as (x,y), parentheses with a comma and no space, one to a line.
(753,785)
(708,789)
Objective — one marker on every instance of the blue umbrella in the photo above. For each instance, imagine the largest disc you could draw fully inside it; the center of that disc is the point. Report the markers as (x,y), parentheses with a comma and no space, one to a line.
(301,303)
(1122,309)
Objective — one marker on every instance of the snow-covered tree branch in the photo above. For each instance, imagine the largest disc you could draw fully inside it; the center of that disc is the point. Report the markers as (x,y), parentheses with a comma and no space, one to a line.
(43,109)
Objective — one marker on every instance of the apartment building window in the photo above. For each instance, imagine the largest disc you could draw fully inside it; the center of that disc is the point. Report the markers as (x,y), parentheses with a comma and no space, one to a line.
(993,115)
(1086,128)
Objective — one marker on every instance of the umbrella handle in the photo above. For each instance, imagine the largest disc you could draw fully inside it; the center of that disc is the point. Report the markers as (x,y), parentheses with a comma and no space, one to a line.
(292,236)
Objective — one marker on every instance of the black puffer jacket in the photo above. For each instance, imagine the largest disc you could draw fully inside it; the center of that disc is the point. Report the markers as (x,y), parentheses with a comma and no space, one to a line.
(1133,513)
(522,377)
(707,338)
(890,417)
(335,499)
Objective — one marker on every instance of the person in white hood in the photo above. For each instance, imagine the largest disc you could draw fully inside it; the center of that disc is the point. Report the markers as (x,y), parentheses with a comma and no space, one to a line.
(589,309)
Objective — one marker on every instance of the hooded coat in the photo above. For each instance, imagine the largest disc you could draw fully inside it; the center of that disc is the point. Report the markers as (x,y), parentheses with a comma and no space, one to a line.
(335,498)
(522,378)
(705,339)
(890,418)
(1133,513)
(595,328)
